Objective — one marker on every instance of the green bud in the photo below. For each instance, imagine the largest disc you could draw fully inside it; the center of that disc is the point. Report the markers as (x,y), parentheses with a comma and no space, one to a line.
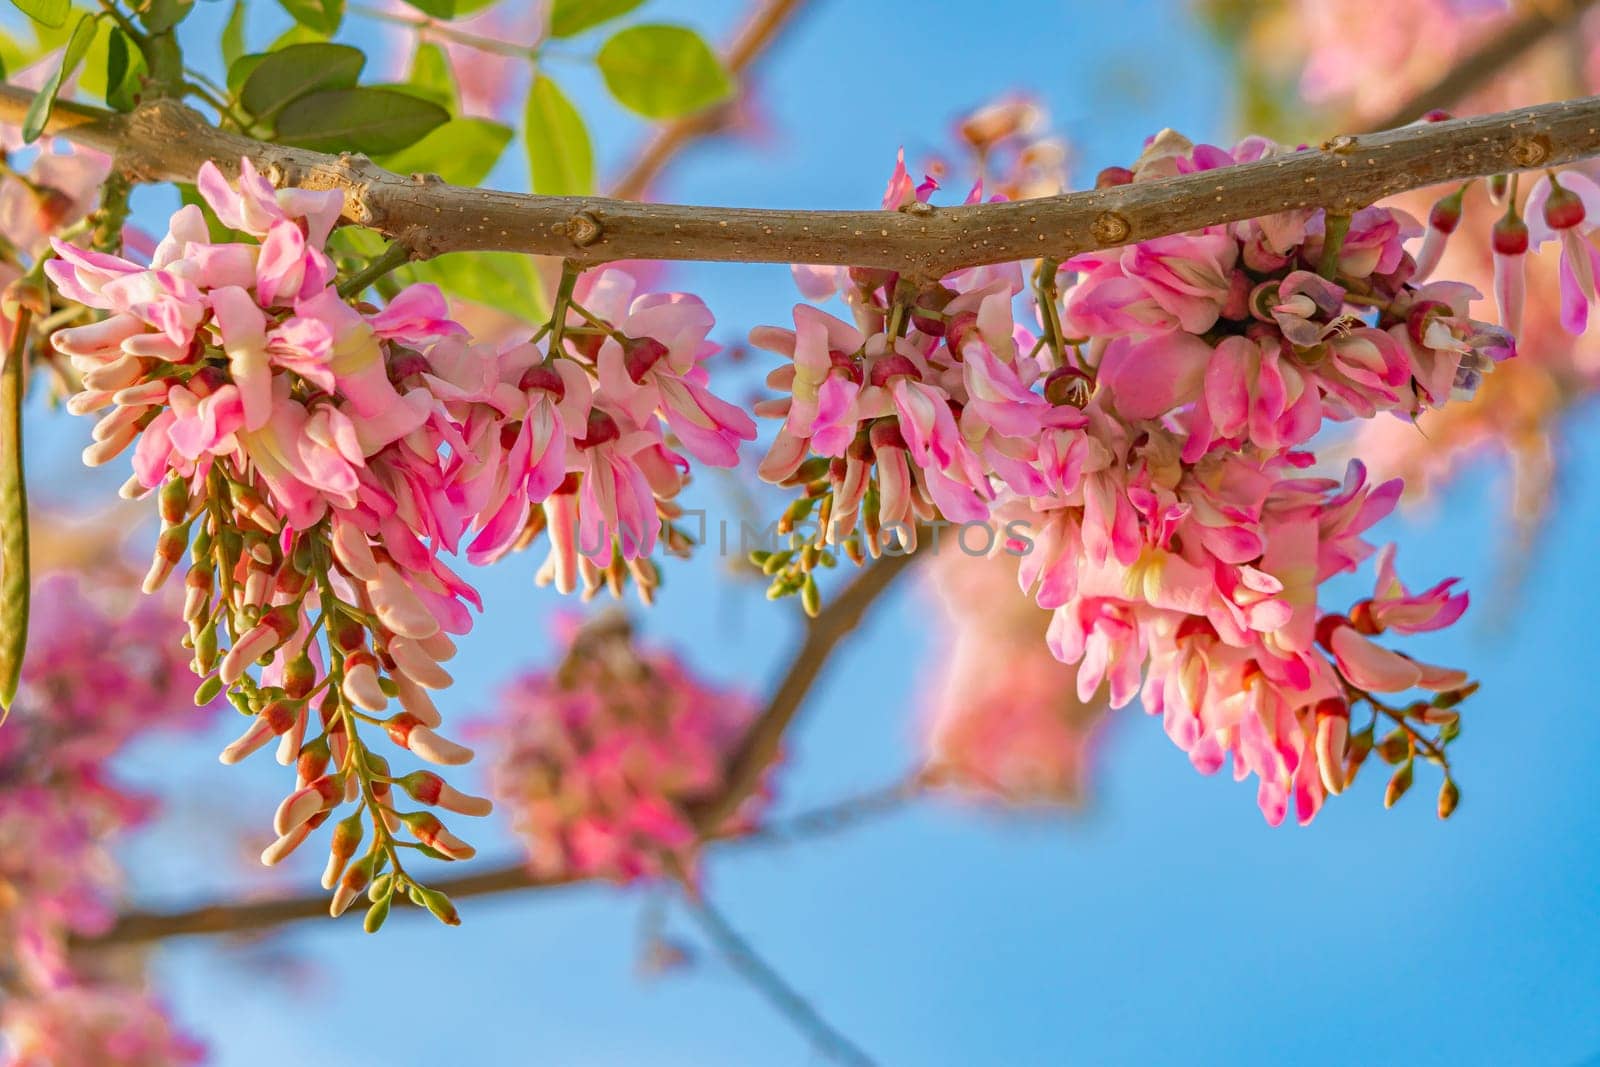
(439,904)
(207,691)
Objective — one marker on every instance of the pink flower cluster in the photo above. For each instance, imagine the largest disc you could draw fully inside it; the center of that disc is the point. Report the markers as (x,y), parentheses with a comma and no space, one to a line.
(61,808)
(93,1027)
(317,457)
(1153,432)
(599,759)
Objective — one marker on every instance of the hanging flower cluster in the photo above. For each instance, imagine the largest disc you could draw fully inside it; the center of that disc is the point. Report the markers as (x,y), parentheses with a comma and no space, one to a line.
(315,458)
(1155,430)
(60,811)
(600,760)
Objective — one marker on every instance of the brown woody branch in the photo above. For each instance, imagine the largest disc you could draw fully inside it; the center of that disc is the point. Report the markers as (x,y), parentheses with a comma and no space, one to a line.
(166,141)
(753,38)
(1494,55)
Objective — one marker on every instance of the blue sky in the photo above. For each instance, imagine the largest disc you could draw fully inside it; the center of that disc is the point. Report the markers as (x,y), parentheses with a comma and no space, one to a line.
(1166,923)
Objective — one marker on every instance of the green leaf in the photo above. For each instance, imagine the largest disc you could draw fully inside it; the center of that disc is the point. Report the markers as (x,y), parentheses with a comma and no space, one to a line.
(662,72)
(462,151)
(439,9)
(374,121)
(45,101)
(281,78)
(233,35)
(52,13)
(125,70)
(504,281)
(431,75)
(240,69)
(560,159)
(321,16)
(568,18)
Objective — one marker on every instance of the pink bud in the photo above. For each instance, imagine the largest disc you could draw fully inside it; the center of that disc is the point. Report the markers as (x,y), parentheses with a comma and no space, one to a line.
(414,663)
(273,720)
(429,788)
(1333,734)
(398,607)
(303,803)
(361,683)
(284,845)
(431,832)
(407,732)
(1564,209)
(353,552)
(417,702)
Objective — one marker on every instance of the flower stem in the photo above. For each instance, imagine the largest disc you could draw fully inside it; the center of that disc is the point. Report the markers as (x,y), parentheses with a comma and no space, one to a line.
(395,256)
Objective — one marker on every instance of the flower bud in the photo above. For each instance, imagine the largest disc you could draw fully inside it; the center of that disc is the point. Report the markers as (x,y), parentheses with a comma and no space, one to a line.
(377,913)
(272,720)
(426,827)
(1509,236)
(436,902)
(1111,177)
(361,686)
(1333,733)
(1398,784)
(351,886)
(1564,209)
(305,802)
(398,607)
(1449,797)
(347,833)
(413,662)
(280,849)
(173,503)
(429,788)
(312,761)
(408,733)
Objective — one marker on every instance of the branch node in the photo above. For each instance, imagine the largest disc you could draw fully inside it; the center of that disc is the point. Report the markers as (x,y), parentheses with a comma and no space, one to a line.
(1341,144)
(1110,229)
(1530,151)
(426,179)
(920,208)
(584,229)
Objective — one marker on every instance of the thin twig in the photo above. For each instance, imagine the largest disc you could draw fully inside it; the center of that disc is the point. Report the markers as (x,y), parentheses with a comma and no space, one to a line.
(1494,55)
(509,876)
(772,985)
(166,141)
(753,38)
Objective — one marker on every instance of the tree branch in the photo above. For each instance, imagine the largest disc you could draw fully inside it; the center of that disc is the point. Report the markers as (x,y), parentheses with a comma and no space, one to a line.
(166,141)
(759,747)
(752,39)
(1491,57)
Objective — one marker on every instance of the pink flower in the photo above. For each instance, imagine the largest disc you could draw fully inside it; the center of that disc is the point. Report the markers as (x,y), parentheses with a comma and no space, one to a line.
(1567,209)
(599,759)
